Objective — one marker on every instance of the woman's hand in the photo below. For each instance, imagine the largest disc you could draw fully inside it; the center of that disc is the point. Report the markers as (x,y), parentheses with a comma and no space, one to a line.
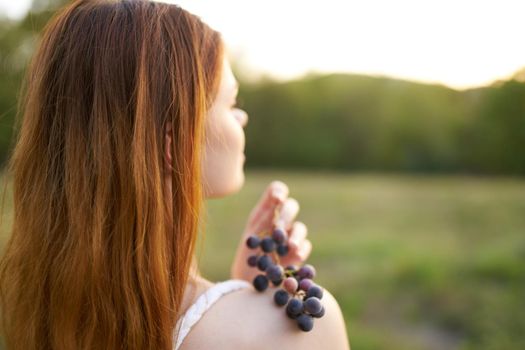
(261,218)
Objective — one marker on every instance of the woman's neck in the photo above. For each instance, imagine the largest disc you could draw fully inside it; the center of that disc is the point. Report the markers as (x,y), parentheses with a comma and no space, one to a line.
(194,272)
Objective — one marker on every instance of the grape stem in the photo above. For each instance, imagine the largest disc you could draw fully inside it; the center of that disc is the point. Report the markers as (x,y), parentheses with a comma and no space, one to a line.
(299,293)
(262,233)
(276,257)
(276,214)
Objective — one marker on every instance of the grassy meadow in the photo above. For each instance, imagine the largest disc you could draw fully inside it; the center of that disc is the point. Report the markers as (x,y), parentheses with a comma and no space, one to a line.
(415,262)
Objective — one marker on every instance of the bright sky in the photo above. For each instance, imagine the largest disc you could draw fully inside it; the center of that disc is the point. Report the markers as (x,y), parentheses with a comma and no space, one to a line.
(459,43)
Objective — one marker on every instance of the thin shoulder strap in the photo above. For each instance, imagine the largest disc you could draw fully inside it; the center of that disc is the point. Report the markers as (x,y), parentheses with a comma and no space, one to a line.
(203,303)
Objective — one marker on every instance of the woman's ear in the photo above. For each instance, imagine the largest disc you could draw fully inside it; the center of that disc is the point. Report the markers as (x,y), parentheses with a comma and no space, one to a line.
(168,141)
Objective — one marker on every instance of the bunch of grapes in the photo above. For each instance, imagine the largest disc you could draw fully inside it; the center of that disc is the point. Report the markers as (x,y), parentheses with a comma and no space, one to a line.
(301,296)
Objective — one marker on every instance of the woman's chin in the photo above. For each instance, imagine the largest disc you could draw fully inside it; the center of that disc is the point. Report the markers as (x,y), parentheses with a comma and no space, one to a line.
(225,189)
(238,184)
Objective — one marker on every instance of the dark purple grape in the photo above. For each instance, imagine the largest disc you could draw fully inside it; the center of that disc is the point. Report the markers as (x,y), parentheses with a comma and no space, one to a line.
(320,313)
(314,291)
(252,261)
(253,242)
(290,315)
(307,271)
(274,272)
(305,322)
(260,282)
(268,245)
(313,305)
(305,284)
(277,283)
(295,306)
(282,249)
(278,235)
(263,262)
(281,297)
(291,267)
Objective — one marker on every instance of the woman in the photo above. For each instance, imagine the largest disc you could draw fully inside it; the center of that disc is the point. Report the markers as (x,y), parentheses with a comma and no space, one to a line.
(128,125)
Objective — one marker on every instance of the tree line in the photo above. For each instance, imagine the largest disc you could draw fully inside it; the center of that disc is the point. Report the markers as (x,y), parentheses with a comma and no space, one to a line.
(354,122)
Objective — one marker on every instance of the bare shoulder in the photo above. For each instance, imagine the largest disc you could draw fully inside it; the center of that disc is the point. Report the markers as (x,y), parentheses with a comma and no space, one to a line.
(251,320)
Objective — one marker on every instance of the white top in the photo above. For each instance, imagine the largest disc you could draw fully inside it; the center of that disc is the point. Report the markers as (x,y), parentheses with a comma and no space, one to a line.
(203,303)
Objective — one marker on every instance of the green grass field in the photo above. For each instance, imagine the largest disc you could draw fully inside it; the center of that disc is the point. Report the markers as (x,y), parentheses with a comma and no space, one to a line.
(415,262)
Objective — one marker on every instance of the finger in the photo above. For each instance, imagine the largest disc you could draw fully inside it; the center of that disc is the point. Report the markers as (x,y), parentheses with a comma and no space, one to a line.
(298,235)
(275,194)
(263,222)
(288,212)
(305,249)
(285,216)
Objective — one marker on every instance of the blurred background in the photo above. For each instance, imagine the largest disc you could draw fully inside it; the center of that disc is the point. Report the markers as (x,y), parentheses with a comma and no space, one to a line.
(400,129)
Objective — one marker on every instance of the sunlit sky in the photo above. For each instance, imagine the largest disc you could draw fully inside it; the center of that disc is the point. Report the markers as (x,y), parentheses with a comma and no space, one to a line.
(459,43)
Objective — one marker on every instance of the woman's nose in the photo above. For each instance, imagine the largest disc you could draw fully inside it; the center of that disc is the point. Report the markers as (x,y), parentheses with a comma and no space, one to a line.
(241,116)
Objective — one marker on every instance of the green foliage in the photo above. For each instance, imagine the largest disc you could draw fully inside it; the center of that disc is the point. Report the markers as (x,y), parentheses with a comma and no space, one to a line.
(17,43)
(343,121)
(494,138)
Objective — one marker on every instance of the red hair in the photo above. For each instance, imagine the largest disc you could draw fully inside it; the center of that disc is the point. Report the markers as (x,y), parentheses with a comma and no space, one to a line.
(95,259)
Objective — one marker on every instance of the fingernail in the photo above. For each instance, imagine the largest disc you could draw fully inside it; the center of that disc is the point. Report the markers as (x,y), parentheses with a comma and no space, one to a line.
(279,194)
